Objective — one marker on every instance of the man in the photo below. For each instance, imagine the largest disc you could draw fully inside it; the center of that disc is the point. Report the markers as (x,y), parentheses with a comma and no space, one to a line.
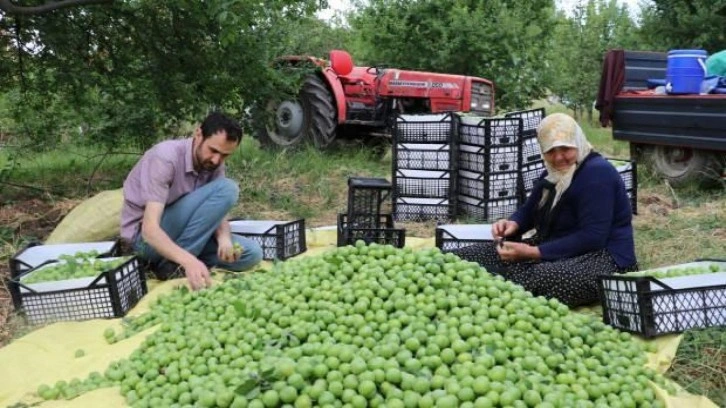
(176,201)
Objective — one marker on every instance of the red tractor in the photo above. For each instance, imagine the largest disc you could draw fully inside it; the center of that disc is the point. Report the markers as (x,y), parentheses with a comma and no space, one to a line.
(341,96)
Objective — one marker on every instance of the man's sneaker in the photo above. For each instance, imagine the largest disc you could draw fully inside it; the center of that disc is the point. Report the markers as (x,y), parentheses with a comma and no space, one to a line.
(166,270)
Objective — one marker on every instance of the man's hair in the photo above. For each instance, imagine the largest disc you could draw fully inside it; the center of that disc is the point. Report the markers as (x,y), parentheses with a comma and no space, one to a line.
(216,122)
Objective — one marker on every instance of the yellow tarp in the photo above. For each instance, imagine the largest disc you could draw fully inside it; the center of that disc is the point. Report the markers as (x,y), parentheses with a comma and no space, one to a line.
(47,355)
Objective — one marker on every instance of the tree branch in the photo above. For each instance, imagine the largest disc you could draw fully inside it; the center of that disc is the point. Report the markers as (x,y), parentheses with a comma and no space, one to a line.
(11,7)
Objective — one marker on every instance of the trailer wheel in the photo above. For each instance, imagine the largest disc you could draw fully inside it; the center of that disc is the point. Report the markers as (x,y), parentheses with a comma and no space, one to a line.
(682,165)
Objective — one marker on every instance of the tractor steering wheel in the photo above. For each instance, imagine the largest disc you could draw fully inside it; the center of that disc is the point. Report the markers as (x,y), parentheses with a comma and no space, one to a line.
(376,69)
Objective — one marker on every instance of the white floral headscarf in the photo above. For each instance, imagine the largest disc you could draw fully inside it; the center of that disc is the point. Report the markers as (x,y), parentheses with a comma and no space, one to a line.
(557,130)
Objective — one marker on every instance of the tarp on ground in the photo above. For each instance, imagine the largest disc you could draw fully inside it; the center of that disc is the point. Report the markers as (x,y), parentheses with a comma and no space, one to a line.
(47,355)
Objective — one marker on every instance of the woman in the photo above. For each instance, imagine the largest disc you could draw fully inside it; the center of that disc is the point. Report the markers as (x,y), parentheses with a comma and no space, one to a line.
(581,216)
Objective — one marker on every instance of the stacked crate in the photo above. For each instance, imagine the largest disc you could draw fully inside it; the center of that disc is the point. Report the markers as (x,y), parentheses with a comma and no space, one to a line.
(532,162)
(424,167)
(368,217)
(488,177)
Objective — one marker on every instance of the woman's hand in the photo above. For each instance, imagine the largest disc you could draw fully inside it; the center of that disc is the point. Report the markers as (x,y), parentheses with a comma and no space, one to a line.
(517,252)
(504,228)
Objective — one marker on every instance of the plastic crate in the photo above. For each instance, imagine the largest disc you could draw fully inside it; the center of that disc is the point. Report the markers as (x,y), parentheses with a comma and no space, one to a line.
(490,132)
(650,307)
(454,236)
(278,239)
(628,170)
(430,128)
(489,186)
(481,159)
(530,173)
(486,210)
(422,183)
(386,234)
(423,209)
(110,294)
(530,150)
(367,196)
(422,156)
(36,254)
(531,119)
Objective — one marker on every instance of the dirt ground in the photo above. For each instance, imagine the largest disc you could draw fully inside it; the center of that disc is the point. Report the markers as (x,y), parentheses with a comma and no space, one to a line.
(22,221)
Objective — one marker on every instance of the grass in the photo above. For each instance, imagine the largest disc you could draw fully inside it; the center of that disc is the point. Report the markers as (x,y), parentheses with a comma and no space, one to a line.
(673,226)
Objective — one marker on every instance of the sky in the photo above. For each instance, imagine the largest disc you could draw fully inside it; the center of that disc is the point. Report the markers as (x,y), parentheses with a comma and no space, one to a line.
(344,5)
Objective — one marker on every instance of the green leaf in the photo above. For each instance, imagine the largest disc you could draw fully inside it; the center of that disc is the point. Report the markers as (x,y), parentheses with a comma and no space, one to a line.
(240,308)
(246,387)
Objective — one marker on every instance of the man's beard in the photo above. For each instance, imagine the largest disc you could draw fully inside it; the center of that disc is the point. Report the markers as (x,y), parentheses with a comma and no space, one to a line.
(204,165)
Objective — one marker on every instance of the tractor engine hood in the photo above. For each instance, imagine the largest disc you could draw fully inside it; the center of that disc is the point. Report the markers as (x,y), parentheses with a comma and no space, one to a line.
(417,84)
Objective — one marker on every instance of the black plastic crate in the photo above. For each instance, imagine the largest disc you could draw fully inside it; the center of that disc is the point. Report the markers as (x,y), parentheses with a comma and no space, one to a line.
(531,119)
(490,132)
(423,156)
(428,128)
(454,236)
(110,294)
(279,239)
(530,150)
(35,254)
(485,210)
(423,209)
(650,307)
(386,234)
(628,170)
(423,184)
(481,159)
(489,186)
(531,173)
(367,196)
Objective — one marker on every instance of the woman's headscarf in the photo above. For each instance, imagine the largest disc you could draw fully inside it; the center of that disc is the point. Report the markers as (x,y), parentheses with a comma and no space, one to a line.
(557,130)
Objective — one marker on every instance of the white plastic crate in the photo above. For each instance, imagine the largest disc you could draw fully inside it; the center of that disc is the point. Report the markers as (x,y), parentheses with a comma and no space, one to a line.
(652,306)
(110,293)
(33,256)
(422,183)
(278,239)
(422,209)
(454,236)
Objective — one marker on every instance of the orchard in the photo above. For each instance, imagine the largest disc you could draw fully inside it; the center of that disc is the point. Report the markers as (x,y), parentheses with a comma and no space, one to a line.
(372,326)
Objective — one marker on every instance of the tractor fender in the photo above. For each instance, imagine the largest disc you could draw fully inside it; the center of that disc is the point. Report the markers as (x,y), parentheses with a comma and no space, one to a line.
(337,90)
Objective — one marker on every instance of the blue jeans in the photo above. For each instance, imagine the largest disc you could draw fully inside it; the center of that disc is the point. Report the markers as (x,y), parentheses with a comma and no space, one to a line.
(191,222)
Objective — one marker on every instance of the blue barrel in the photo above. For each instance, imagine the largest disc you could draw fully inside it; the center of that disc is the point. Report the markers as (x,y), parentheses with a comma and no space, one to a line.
(685,71)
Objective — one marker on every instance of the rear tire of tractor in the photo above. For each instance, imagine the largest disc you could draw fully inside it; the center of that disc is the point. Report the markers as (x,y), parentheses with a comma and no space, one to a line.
(309,118)
(682,166)
(320,112)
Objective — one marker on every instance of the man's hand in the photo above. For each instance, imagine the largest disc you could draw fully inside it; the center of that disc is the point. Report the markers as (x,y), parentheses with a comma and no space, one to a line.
(197,274)
(225,249)
(517,251)
(504,228)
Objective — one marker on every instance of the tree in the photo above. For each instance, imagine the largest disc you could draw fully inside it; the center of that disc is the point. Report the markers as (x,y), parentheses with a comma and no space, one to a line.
(10,7)
(578,46)
(673,24)
(502,40)
(132,69)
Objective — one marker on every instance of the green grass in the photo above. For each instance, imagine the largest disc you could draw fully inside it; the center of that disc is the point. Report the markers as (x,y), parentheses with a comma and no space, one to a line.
(673,226)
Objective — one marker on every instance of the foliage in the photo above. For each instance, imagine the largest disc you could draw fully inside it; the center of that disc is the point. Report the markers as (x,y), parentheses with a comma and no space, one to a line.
(578,47)
(132,68)
(502,40)
(673,24)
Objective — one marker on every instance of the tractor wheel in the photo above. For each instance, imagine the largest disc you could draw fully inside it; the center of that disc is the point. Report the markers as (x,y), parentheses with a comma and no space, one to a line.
(310,117)
(682,165)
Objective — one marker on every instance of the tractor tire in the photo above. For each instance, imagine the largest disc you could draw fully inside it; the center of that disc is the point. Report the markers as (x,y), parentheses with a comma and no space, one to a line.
(682,166)
(309,118)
